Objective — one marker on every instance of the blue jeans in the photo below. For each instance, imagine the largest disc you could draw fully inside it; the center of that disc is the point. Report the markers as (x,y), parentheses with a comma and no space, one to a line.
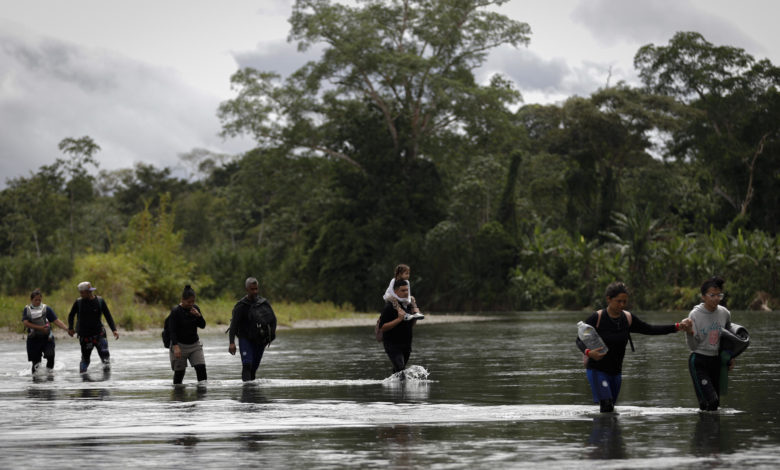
(251,352)
(88,343)
(604,386)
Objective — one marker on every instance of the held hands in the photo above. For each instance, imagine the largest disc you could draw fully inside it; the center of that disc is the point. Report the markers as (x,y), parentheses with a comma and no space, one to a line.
(686,325)
(71,332)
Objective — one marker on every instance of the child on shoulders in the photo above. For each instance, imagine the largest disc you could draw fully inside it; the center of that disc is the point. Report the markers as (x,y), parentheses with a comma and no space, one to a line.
(403,272)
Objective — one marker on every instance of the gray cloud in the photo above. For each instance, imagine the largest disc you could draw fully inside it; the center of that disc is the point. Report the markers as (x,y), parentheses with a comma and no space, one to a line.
(528,70)
(275,7)
(52,89)
(535,75)
(656,22)
(280,56)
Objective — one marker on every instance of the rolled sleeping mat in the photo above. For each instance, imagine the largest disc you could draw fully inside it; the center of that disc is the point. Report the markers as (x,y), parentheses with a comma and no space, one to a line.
(734,340)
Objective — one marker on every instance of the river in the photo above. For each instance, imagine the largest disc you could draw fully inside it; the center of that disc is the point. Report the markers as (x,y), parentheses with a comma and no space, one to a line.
(506,393)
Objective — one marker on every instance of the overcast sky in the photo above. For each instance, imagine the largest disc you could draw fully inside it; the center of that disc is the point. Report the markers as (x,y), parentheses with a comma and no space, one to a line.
(144,78)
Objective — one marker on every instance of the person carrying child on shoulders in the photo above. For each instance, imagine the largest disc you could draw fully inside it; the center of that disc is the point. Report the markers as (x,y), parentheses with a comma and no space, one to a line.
(396,331)
(402,273)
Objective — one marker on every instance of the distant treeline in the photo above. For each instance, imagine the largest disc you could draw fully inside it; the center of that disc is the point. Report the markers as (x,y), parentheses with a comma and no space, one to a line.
(387,151)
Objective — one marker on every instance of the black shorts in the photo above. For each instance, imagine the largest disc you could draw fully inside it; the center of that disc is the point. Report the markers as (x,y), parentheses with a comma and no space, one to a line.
(39,345)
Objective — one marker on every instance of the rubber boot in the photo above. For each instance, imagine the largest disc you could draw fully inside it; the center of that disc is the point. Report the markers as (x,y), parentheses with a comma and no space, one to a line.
(246,372)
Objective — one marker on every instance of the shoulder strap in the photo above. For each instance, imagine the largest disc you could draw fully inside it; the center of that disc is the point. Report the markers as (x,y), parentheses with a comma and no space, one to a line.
(598,321)
(629,318)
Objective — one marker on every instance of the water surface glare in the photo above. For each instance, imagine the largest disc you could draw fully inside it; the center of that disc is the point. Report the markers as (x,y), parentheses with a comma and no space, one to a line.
(508,393)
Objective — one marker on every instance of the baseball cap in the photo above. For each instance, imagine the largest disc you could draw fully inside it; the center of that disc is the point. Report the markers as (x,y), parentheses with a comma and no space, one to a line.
(85,286)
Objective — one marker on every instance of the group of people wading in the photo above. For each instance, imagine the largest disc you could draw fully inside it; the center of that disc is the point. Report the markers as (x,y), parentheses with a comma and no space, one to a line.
(253,322)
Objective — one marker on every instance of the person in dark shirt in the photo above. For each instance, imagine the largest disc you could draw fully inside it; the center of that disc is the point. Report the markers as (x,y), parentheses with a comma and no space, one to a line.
(87,310)
(397,333)
(183,323)
(250,345)
(37,318)
(614,325)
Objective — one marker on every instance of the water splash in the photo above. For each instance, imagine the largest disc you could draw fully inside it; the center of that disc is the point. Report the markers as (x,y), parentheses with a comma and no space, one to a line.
(412,374)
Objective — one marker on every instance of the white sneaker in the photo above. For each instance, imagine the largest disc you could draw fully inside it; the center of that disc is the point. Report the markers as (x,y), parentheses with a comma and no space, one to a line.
(417,316)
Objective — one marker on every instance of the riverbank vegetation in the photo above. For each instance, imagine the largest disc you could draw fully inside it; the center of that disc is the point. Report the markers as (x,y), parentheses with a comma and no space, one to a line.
(386,149)
(143,316)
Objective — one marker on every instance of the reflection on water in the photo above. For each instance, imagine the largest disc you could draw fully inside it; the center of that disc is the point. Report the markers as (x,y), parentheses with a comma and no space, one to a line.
(252,393)
(186,441)
(707,439)
(94,393)
(605,440)
(184,394)
(41,394)
(513,400)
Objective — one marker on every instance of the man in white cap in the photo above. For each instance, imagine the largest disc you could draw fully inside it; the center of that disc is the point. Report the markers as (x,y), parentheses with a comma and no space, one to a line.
(90,329)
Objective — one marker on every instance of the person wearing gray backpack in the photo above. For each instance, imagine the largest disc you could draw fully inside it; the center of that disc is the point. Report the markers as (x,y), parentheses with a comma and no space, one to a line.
(254,323)
(37,318)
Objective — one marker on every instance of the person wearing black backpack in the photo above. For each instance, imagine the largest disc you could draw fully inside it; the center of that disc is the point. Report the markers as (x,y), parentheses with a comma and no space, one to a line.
(254,322)
(87,311)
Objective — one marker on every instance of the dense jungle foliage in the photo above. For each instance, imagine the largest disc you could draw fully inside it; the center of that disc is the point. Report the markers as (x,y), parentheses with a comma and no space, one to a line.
(386,150)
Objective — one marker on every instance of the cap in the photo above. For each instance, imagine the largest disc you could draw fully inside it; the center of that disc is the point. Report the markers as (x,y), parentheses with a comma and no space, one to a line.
(85,286)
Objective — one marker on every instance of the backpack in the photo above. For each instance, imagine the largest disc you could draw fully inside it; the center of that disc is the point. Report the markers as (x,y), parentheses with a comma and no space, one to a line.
(598,322)
(166,333)
(37,315)
(262,322)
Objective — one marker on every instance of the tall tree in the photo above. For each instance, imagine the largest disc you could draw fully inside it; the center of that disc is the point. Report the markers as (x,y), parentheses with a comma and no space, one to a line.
(395,79)
(735,113)
(80,154)
(411,59)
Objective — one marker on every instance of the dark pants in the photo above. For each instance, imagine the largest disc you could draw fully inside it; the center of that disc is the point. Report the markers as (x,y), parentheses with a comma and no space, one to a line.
(398,354)
(88,343)
(251,355)
(37,346)
(705,373)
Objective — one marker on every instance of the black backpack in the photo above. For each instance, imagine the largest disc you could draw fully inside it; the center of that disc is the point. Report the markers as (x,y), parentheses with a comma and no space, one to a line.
(261,321)
(166,333)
